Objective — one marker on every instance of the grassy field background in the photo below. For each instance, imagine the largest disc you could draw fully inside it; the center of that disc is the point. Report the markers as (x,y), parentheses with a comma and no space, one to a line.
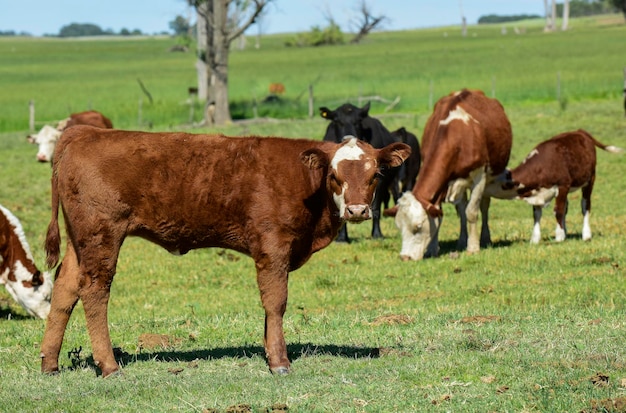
(518,327)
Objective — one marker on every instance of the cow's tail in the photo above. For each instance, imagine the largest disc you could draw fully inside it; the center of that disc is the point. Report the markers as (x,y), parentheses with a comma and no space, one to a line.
(53,237)
(608,148)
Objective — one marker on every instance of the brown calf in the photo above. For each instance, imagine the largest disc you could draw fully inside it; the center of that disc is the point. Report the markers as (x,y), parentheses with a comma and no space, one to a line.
(277,200)
(553,169)
(466,142)
(18,272)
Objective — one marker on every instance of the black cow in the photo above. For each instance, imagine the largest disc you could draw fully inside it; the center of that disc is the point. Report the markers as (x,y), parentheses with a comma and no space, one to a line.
(407,175)
(349,120)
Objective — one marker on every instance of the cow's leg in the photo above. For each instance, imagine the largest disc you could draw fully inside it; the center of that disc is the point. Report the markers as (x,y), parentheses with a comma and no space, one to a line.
(272,277)
(343,234)
(381,189)
(485,233)
(536,237)
(95,298)
(585,206)
(98,260)
(461,206)
(560,211)
(472,210)
(64,299)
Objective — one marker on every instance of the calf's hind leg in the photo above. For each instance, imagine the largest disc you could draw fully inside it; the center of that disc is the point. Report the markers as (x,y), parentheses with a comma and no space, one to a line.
(64,299)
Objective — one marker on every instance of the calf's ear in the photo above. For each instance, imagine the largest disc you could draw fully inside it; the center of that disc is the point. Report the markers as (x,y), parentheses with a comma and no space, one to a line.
(394,155)
(317,162)
(314,158)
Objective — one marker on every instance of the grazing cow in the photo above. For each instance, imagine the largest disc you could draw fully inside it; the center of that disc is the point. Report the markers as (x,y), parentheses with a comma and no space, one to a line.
(276,89)
(18,272)
(48,136)
(466,143)
(405,179)
(277,200)
(349,120)
(553,169)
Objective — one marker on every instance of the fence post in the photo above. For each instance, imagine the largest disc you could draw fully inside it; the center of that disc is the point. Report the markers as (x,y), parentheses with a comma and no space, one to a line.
(430,96)
(311,101)
(558,86)
(31,115)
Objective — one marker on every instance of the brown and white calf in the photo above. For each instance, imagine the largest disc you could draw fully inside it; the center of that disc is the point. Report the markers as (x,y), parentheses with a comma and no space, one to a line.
(466,143)
(18,272)
(46,139)
(553,169)
(277,200)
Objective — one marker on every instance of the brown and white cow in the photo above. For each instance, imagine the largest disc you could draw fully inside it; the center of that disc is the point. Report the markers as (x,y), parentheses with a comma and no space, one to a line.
(277,200)
(466,143)
(48,136)
(18,272)
(553,169)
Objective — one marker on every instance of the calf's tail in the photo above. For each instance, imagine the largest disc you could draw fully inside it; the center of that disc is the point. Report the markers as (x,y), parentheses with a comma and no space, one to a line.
(608,148)
(53,237)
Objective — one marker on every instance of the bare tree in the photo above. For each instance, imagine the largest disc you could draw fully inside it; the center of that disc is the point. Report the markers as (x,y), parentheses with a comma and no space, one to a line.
(565,23)
(219,23)
(366,22)
(550,16)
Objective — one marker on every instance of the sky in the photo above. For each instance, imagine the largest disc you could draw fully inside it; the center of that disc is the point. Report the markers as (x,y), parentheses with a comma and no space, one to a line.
(39,17)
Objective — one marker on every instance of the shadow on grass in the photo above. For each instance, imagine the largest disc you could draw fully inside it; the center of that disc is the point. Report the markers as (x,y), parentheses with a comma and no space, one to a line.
(446,247)
(295,351)
(8,314)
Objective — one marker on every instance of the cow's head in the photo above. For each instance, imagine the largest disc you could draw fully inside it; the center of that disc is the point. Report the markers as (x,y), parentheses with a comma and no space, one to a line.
(352,173)
(346,120)
(26,284)
(46,139)
(418,229)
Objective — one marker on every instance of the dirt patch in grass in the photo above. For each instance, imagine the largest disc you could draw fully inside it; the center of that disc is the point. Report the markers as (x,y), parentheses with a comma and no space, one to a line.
(607,406)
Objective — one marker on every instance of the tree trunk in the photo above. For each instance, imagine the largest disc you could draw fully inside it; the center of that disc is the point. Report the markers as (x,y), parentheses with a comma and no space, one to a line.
(219,72)
(565,23)
(201,63)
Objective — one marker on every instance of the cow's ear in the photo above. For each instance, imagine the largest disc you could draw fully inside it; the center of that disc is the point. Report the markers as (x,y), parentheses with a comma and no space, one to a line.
(365,110)
(325,112)
(314,158)
(394,155)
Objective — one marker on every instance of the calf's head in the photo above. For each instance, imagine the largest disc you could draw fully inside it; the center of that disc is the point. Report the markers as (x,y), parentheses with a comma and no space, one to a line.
(352,172)
(26,284)
(46,139)
(418,229)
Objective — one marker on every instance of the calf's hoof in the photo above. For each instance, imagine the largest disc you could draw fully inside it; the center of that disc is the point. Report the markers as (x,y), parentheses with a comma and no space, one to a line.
(280,370)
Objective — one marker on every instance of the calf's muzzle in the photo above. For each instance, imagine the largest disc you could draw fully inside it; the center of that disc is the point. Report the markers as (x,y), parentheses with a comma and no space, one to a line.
(357,213)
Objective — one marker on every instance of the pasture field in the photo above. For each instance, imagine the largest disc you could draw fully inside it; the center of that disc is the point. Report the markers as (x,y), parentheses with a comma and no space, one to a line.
(71,75)
(515,328)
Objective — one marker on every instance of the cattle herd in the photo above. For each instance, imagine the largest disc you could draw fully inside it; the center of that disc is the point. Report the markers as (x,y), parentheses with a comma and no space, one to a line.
(187,191)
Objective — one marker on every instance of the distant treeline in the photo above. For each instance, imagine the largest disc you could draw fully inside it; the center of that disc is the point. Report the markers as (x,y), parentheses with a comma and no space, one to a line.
(577,8)
(78,30)
(88,29)
(494,18)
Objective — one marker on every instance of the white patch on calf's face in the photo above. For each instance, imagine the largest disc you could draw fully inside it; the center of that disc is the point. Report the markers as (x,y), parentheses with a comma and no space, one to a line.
(35,300)
(348,152)
(457,113)
(416,227)
(47,139)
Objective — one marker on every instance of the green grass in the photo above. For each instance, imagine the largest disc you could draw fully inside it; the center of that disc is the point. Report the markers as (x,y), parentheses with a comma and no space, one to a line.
(517,327)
